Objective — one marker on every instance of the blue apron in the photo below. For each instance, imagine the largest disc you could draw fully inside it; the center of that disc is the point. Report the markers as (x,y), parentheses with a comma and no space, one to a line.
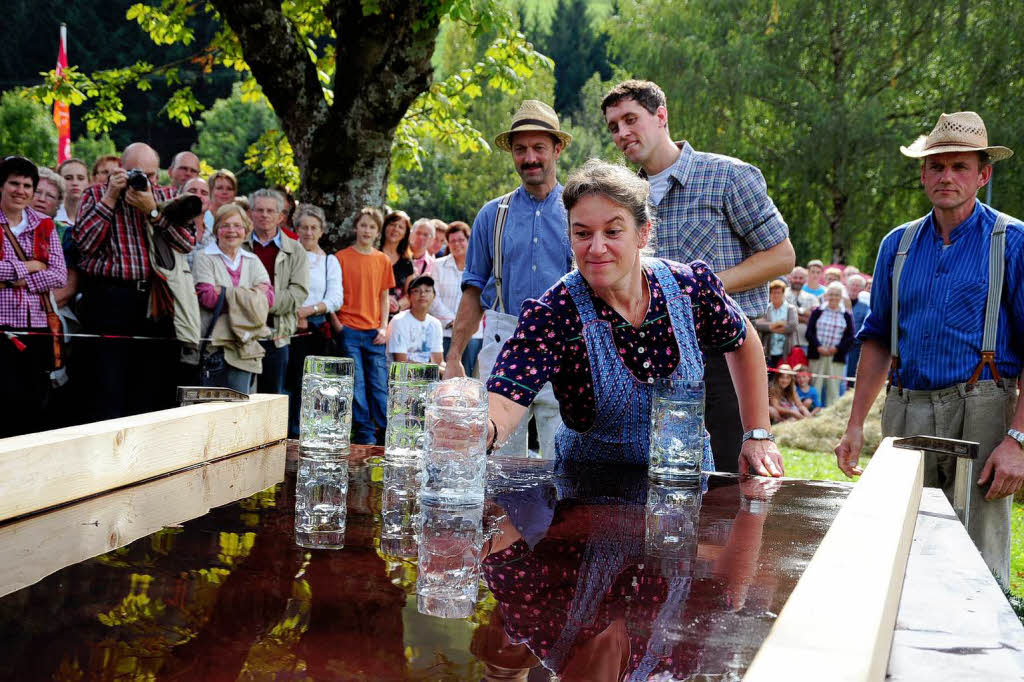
(621,433)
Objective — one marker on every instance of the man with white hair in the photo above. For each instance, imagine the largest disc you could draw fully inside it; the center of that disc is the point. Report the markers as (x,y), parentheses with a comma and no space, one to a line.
(286,263)
(947,327)
(420,236)
(804,302)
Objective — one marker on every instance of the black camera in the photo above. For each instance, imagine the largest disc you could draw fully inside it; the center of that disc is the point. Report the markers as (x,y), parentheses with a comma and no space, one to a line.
(137,180)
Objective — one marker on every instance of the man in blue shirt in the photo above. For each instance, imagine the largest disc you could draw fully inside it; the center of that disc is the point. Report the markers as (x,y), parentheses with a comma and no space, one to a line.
(711,208)
(949,377)
(531,230)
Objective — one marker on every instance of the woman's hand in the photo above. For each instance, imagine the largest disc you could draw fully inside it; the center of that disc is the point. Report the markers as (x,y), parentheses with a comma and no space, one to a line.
(761,457)
(392,304)
(35,266)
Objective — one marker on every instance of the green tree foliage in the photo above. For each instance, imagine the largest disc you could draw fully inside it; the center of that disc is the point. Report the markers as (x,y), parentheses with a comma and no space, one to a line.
(342,127)
(578,50)
(820,94)
(27,129)
(90,147)
(228,130)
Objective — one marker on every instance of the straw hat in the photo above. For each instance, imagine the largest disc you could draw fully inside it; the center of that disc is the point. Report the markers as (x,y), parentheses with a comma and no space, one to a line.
(963,131)
(533,115)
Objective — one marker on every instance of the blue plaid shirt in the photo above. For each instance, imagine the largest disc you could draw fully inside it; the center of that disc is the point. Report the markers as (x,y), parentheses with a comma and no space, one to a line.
(717,210)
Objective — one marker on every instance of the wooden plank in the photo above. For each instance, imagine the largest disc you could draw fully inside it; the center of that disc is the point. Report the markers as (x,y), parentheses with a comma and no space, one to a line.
(838,622)
(43,544)
(954,622)
(41,470)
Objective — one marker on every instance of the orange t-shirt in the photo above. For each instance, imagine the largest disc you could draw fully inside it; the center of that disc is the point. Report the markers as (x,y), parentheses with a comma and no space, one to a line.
(363,278)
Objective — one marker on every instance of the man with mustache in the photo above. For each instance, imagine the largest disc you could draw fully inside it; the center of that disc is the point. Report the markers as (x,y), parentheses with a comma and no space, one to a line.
(711,208)
(518,248)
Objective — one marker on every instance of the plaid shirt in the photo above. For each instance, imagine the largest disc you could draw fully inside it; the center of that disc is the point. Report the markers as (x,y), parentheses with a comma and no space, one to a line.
(113,242)
(20,307)
(717,210)
(831,326)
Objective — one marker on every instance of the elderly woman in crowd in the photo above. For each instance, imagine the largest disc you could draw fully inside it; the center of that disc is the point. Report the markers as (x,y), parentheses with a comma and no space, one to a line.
(31,266)
(394,243)
(829,337)
(448,281)
(325,296)
(103,167)
(235,295)
(48,199)
(778,325)
(617,322)
(76,180)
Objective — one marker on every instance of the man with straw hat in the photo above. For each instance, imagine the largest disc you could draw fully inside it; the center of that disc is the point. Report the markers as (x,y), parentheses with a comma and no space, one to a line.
(947,326)
(519,247)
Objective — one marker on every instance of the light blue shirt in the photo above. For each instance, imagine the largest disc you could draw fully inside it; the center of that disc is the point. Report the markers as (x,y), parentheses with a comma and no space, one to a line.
(535,249)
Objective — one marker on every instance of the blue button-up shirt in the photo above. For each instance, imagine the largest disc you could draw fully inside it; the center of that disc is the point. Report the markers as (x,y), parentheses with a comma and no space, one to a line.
(535,249)
(942,302)
(717,210)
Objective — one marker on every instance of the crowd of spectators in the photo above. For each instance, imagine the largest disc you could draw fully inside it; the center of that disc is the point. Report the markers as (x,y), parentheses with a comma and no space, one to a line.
(115,288)
(809,333)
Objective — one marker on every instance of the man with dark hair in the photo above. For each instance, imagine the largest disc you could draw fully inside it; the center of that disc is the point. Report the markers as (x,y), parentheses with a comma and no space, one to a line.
(711,208)
(125,376)
(947,325)
(518,248)
(184,167)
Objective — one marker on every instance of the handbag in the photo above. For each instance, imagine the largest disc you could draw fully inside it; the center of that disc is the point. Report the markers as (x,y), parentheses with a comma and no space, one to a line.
(58,374)
(206,368)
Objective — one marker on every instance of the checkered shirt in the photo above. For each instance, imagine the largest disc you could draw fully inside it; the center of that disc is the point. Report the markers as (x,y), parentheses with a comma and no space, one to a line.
(20,307)
(717,210)
(113,241)
(831,326)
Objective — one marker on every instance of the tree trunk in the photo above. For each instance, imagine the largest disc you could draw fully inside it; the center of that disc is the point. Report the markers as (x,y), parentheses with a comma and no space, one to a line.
(343,150)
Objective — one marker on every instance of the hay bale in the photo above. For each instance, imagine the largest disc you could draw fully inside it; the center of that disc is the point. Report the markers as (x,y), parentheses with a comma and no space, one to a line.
(822,433)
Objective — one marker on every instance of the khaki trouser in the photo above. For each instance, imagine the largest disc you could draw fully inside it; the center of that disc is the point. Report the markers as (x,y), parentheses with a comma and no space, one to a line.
(982,415)
(498,328)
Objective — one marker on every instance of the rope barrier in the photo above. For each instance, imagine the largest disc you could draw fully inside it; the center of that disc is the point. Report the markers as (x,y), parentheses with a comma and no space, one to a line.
(813,374)
(124,337)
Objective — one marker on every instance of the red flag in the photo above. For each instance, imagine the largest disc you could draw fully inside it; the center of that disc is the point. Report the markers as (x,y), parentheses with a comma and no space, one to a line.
(61,115)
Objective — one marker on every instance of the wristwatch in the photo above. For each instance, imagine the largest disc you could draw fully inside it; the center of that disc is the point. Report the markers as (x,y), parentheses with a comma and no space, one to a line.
(1017,436)
(154,214)
(758,434)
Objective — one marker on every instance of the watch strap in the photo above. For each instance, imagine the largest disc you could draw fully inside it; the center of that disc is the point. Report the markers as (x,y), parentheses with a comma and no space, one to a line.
(1017,436)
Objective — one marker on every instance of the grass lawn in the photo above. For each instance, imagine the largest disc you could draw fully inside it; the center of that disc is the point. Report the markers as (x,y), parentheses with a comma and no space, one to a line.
(822,467)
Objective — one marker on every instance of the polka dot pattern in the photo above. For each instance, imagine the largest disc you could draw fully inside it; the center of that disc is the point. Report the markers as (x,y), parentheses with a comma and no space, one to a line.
(548,344)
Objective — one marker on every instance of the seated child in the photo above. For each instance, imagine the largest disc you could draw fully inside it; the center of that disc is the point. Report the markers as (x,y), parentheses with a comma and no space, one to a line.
(808,394)
(413,335)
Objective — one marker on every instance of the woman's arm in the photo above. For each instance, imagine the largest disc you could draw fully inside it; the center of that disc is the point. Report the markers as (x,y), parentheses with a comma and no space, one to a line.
(750,379)
(505,416)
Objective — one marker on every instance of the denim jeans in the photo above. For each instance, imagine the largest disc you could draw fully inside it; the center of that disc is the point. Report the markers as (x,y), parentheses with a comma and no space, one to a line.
(370,399)
(275,364)
(468,355)
(219,373)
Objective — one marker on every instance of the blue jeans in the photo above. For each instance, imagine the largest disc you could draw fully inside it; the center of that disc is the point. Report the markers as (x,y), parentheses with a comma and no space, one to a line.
(219,373)
(370,399)
(468,355)
(275,364)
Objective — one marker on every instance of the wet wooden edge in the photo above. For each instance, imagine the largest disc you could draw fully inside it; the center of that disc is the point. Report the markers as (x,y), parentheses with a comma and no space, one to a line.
(45,543)
(41,470)
(838,622)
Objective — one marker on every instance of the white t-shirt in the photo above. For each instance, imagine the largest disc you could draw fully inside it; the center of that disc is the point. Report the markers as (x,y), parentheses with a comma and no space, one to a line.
(416,339)
(659,185)
(20,227)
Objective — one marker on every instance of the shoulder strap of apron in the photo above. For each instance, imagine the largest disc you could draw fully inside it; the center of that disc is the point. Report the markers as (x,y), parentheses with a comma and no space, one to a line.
(996,269)
(906,241)
(499,229)
(666,280)
(580,296)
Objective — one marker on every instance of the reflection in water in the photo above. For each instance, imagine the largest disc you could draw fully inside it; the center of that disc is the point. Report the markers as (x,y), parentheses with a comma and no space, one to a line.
(229,595)
(450,541)
(321,498)
(399,509)
(624,586)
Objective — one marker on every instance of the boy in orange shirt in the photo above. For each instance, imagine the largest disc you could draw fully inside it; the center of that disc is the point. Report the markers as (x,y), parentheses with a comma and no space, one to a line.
(362,326)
